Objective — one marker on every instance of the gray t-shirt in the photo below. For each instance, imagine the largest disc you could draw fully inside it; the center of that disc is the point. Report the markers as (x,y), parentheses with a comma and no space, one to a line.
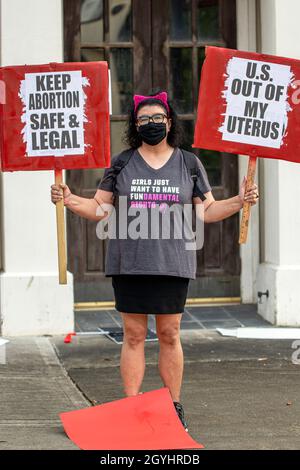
(151,190)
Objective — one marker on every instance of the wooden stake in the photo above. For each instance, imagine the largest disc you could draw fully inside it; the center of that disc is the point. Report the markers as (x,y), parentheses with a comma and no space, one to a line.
(61,238)
(247,205)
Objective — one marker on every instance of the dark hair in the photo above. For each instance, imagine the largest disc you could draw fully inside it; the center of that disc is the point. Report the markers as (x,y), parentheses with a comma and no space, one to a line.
(132,137)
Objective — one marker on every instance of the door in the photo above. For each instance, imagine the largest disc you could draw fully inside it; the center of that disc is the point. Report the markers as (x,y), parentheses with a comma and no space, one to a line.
(150,45)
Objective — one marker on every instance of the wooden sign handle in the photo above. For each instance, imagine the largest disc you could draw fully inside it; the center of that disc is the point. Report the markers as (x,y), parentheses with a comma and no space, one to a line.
(61,238)
(247,205)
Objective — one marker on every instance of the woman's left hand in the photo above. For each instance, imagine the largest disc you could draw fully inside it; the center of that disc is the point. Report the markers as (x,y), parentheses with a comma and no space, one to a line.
(251,195)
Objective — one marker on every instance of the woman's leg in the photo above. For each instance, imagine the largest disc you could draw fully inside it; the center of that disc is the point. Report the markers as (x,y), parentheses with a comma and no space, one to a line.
(133,353)
(170,352)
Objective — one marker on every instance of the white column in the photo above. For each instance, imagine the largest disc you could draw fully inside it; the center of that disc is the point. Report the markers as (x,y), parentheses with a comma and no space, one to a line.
(31,299)
(249,252)
(279,271)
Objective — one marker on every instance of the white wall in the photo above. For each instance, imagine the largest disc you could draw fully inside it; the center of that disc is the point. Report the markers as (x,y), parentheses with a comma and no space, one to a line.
(31,300)
(279,271)
(249,252)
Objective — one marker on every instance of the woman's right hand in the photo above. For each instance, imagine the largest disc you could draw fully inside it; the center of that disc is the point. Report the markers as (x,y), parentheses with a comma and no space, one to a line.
(59,192)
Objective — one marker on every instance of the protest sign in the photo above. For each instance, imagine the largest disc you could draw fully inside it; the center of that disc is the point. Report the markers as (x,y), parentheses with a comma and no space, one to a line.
(248,104)
(53,113)
(53,117)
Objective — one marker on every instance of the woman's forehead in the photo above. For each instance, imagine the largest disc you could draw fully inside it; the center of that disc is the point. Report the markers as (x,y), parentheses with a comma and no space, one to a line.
(149,110)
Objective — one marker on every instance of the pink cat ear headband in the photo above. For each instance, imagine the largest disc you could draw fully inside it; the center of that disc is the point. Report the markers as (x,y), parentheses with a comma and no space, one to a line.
(163,97)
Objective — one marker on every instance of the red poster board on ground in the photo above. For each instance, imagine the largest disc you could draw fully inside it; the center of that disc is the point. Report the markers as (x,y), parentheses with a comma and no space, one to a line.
(249,104)
(52,117)
(143,422)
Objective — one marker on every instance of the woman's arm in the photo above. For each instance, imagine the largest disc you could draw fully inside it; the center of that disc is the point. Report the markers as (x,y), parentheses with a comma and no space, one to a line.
(95,209)
(214,211)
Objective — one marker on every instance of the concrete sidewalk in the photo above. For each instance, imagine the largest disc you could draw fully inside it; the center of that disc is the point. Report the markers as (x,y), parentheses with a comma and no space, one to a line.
(34,389)
(238,394)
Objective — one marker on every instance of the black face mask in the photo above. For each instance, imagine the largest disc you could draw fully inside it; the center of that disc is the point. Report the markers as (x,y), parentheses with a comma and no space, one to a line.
(153,133)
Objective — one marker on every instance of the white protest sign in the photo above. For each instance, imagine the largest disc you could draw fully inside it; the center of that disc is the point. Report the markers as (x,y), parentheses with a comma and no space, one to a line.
(256,102)
(53,113)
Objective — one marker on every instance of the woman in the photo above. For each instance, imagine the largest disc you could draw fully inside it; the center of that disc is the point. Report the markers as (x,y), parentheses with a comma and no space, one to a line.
(151,275)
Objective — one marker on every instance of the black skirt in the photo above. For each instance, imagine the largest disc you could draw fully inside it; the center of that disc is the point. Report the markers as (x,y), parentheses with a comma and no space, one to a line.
(149,294)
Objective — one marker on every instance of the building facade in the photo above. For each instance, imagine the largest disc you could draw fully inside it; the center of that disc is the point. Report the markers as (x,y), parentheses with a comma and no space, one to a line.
(149,45)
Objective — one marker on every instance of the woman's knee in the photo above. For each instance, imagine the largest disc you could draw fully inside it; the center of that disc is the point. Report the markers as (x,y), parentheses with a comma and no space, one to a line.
(135,332)
(134,337)
(169,334)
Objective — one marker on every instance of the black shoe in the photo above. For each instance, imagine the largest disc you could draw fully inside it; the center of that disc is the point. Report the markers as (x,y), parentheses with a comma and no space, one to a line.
(180,413)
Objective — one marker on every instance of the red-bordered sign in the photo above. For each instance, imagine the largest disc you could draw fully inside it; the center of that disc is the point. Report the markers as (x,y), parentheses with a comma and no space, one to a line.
(249,104)
(54,116)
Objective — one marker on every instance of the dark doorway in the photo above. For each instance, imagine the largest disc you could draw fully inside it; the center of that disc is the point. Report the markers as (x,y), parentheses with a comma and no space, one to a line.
(153,44)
